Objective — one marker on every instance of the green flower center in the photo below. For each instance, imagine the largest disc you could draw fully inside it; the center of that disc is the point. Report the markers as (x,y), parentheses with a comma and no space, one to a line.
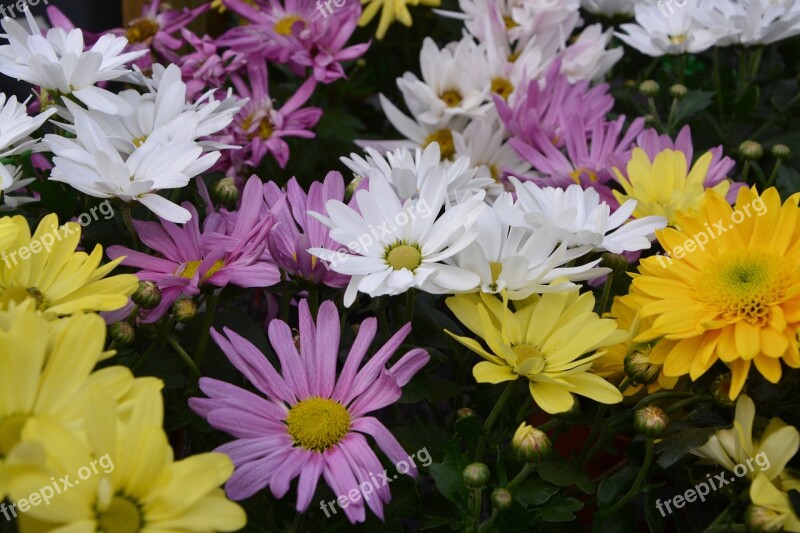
(121,516)
(317,423)
(402,256)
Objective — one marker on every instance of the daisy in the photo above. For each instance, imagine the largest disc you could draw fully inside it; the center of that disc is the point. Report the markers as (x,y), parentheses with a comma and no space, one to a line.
(587,58)
(731,298)
(16,126)
(549,340)
(59,63)
(391,11)
(394,246)
(309,420)
(92,164)
(751,22)
(207,65)
(11,181)
(771,508)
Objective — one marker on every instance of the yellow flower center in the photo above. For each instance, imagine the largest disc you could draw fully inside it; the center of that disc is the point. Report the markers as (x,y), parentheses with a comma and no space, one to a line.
(451,97)
(20,294)
(502,87)
(445,139)
(142,30)
(265,128)
(510,23)
(513,56)
(677,39)
(190,269)
(529,359)
(139,141)
(496,269)
(578,172)
(10,430)
(121,516)
(317,423)
(402,256)
(284,25)
(745,284)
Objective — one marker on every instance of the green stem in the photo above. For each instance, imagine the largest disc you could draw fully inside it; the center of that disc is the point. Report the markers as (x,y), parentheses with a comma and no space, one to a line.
(637,483)
(476,510)
(313,300)
(718,87)
(487,426)
(286,305)
(486,525)
(688,401)
(195,370)
(719,520)
(651,104)
(746,170)
(584,455)
(127,219)
(774,173)
(606,294)
(519,478)
(208,321)
(660,396)
(409,305)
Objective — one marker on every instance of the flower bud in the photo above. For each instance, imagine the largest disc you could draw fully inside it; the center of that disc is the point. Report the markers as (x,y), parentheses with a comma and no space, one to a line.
(721,390)
(639,368)
(350,190)
(781,151)
(649,88)
(530,443)
(184,309)
(501,499)
(147,295)
(761,519)
(122,333)
(225,191)
(616,262)
(751,150)
(650,421)
(678,91)
(649,121)
(464,412)
(476,475)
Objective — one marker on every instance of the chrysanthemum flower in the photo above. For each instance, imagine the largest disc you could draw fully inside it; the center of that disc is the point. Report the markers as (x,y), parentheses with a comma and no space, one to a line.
(16,126)
(730,290)
(665,185)
(46,267)
(310,424)
(550,340)
(771,508)
(391,11)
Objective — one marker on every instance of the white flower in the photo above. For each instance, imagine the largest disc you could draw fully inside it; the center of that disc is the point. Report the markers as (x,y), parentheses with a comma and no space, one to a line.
(609,8)
(587,58)
(59,62)
(16,126)
(657,34)
(546,20)
(9,182)
(454,82)
(577,217)
(521,261)
(751,22)
(91,164)
(396,246)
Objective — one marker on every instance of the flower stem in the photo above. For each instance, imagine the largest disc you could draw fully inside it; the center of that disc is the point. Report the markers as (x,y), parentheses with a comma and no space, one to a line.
(208,321)
(637,483)
(487,426)
(410,304)
(128,221)
(773,174)
(661,395)
(519,478)
(313,300)
(585,454)
(486,525)
(476,510)
(606,294)
(195,370)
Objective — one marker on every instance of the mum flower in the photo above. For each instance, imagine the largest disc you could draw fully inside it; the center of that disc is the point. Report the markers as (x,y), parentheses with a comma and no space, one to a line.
(771,508)
(305,420)
(549,340)
(733,298)
(391,11)
(751,22)
(16,126)
(47,268)
(59,63)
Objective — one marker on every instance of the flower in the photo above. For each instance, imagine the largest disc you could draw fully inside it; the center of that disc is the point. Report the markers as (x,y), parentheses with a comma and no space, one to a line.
(732,298)
(751,22)
(16,126)
(216,256)
(609,8)
(59,63)
(736,446)
(548,340)
(413,242)
(206,66)
(577,217)
(587,57)
(47,268)
(663,186)
(391,11)
(11,181)
(309,422)
(92,164)
(771,510)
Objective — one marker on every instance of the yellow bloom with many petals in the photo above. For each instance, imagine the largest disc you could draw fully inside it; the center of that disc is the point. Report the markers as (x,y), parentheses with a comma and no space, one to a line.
(736,298)
(663,186)
(550,340)
(46,267)
(771,509)
(391,10)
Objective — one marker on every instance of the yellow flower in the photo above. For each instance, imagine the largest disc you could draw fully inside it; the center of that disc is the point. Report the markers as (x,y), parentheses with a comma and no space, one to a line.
(138,486)
(611,365)
(663,186)
(46,267)
(771,509)
(736,299)
(739,451)
(546,340)
(392,10)
(8,233)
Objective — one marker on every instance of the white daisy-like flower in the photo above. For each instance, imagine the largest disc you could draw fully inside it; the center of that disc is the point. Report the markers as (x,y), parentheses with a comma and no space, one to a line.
(577,217)
(91,164)
(454,82)
(546,20)
(407,171)
(16,126)
(393,246)
(677,33)
(609,8)
(11,181)
(587,58)
(59,62)
(519,260)
(751,22)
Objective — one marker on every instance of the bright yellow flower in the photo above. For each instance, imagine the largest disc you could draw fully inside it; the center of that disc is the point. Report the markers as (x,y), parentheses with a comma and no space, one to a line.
(138,487)
(46,267)
(392,10)
(736,299)
(547,340)
(771,509)
(8,233)
(663,187)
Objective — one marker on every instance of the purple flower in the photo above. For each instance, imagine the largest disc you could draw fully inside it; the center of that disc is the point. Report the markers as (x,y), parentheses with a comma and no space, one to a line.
(205,67)
(220,255)
(295,232)
(308,421)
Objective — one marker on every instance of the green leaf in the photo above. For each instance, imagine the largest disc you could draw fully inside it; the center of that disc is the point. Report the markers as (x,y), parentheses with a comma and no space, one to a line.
(469,427)
(429,387)
(651,514)
(674,447)
(794,498)
(788,181)
(560,510)
(447,476)
(565,474)
(535,493)
(614,486)
(694,102)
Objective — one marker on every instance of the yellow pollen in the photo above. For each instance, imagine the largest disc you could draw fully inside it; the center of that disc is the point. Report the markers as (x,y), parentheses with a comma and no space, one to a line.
(139,141)
(513,57)
(451,97)
(677,39)
(317,423)
(502,87)
(510,23)
(20,294)
(190,269)
(142,30)
(445,139)
(121,516)
(402,256)
(264,131)
(496,269)
(578,172)
(284,25)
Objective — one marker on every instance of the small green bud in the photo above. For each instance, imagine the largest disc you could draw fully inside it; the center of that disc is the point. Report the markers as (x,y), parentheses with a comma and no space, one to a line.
(476,475)
(184,309)
(225,192)
(650,421)
(530,443)
(678,91)
(464,412)
(501,499)
(781,151)
(649,88)
(122,333)
(751,150)
(147,295)
(639,368)
(616,262)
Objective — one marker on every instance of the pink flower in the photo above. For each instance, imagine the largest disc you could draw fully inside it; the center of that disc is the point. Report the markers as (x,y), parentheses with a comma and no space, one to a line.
(306,421)
(205,68)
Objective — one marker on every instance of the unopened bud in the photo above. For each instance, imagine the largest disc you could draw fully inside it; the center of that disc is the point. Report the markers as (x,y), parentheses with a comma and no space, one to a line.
(464,412)
(650,421)
(781,151)
(616,262)
(122,333)
(351,188)
(751,150)
(762,519)
(721,390)
(649,88)
(501,499)
(225,192)
(184,309)
(530,443)
(639,368)
(476,475)
(147,295)
(678,91)
(649,121)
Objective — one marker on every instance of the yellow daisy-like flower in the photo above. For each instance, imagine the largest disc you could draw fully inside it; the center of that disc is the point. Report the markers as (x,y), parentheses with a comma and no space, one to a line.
(663,187)
(771,509)
(138,487)
(46,267)
(549,340)
(611,365)
(8,233)
(733,291)
(392,10)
